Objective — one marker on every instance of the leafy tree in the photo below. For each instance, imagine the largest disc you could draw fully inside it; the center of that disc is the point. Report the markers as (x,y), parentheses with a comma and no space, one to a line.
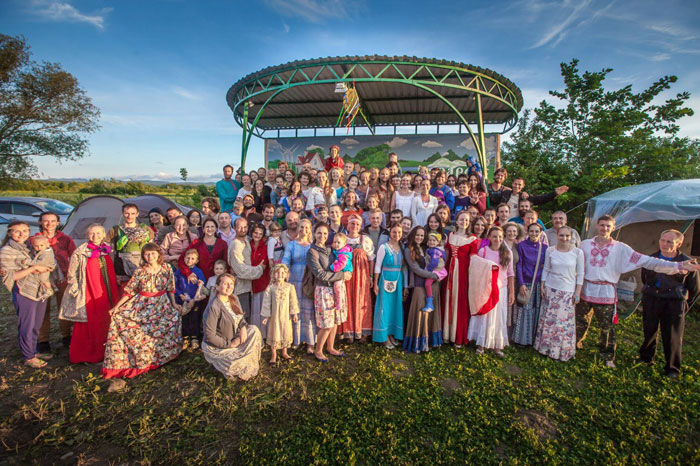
(601,139)
(43,111)
(183,174)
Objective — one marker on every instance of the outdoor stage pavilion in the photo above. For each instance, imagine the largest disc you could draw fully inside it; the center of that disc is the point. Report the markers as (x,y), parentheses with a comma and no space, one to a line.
(393,91)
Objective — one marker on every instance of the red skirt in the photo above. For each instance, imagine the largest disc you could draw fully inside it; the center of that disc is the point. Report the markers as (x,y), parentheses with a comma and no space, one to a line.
(89,338)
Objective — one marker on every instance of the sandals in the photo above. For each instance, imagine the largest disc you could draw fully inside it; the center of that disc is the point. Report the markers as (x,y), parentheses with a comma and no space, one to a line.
(35,363)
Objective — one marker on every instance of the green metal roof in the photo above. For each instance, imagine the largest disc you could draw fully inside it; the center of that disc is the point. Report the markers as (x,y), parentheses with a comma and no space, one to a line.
(393,91)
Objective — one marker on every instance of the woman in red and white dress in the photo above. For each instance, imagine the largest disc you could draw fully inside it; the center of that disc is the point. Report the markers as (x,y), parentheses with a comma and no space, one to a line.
(461,245)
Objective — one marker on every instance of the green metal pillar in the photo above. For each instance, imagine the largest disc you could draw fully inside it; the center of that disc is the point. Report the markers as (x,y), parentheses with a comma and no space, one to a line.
(482,142)
(244,145)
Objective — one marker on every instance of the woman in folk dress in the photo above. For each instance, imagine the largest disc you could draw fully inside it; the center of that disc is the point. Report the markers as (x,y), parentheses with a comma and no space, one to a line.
(461,245)
(388,286)
(280,308)
(562,280)
(145,331)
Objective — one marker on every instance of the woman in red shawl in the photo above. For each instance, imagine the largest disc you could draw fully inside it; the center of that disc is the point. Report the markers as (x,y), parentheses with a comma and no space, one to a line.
(258,255)
(334,161)
(461,245)
(358,324)
(90,278)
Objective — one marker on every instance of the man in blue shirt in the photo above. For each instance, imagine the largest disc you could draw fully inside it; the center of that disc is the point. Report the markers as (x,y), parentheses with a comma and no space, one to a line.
(227,189)
(440,185)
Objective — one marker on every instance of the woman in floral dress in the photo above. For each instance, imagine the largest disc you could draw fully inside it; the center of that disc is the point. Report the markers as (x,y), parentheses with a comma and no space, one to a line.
(145,331)
(562,279)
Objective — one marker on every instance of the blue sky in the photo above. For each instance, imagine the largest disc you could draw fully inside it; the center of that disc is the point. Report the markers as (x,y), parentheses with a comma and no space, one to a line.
(159,69)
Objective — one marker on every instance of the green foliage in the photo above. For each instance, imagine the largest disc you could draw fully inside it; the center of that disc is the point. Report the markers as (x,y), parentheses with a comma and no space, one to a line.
(370,157)
(601,139)
(374,406)
(43,111)
(183,174)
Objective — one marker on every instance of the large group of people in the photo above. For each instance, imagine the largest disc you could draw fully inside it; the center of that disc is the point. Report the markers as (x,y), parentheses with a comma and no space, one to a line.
(293,257)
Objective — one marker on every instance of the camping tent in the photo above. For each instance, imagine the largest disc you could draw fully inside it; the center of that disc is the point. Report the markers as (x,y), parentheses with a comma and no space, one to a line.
(643,211)
(105,210)
(147,202)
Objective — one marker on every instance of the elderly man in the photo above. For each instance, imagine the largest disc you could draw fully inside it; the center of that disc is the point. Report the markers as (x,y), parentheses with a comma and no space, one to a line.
(665,301)
(607,259)
(227,189)
(63,247)
(239,259)
(559,220)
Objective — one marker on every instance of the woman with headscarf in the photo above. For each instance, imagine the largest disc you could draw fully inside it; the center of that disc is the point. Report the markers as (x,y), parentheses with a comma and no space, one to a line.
(91,292)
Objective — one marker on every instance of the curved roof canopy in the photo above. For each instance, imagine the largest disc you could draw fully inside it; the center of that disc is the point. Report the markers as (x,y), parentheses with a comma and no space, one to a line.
(393,91)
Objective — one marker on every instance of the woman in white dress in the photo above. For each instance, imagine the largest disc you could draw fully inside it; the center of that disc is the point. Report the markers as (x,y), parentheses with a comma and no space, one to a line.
(403,197)
(423,205)
(490,330)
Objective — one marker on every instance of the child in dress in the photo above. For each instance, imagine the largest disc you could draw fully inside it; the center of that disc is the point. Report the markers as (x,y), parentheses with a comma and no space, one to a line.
(275,248)
(43,255)
(436,263)
(280,308)
(187,294)
(280,212)
(342,262)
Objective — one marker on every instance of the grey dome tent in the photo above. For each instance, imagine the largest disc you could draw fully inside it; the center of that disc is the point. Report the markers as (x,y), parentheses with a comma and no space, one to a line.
(105,210)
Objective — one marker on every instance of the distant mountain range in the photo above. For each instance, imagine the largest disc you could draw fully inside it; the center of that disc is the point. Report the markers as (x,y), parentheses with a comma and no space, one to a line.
(143,180)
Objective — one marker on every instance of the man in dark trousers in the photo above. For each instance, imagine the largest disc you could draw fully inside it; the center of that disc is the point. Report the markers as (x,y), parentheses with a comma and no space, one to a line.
(665,300)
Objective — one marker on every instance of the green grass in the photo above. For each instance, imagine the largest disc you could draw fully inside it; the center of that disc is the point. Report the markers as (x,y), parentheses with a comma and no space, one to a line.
(373,407)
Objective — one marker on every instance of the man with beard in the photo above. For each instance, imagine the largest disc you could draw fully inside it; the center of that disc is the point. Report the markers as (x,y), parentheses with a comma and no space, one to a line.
(239,259)
(227,189)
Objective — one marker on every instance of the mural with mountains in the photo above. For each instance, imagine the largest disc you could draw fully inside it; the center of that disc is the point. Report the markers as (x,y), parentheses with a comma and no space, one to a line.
(448,151)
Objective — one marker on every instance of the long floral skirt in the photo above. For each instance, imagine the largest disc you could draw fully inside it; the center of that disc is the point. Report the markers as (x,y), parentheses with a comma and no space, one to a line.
(144,335)
(526,318)
(556,331)
(331,309)
(241,362)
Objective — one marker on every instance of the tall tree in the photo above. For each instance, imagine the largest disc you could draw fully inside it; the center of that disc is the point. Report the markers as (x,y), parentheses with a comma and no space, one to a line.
(596,140)
(43,111)
(183,174)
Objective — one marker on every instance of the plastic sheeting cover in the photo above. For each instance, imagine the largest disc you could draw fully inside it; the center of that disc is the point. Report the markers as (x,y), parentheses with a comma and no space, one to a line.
(664,200)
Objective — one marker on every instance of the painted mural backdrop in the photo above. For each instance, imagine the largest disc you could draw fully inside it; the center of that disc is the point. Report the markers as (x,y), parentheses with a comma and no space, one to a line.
(447,151)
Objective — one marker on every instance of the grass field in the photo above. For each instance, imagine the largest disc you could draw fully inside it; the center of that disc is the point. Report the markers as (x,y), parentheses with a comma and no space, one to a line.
(375,406)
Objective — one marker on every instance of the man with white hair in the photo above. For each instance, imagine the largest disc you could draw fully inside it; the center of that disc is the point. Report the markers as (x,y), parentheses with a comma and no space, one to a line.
(559,220)
(665,301)
(239,252)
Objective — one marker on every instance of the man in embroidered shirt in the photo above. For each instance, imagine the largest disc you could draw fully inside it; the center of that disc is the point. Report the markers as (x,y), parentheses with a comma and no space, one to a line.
(227,189)
(606,259)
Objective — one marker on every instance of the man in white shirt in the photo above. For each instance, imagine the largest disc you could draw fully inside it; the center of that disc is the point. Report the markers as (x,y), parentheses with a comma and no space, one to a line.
(559,220)
(606,260)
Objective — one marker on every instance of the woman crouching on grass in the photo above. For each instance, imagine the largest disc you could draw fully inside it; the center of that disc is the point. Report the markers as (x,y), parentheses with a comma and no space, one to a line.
(145,331)
(230,344)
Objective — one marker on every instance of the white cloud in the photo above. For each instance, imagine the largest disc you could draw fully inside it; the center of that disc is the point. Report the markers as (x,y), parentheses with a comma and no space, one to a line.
(182,92)
(467,144)
(60,12)
(313,146)
(349,141)
(313,11)
(559,31)
(396,142)
(431,144)
(286,28)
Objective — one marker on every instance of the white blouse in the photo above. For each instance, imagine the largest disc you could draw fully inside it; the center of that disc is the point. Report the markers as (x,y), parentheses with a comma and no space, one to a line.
(420,211)
(563,270)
